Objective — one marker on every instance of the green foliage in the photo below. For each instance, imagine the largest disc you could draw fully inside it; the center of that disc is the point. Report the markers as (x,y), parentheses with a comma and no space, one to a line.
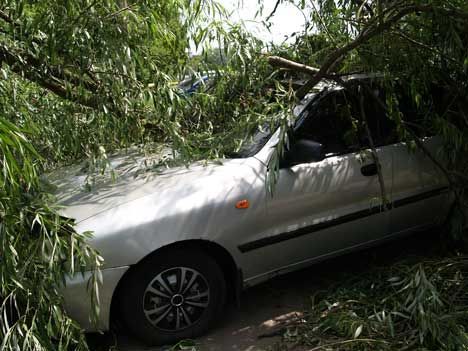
(109,80)
(77,78)
(219,119)
(38,248)
(104,66)
(419,306)
(83,78)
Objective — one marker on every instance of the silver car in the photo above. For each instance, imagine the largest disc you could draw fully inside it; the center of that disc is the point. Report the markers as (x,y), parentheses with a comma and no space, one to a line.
(180,244)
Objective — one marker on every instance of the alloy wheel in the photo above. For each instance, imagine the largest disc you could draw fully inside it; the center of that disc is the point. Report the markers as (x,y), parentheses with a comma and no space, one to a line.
(176,299)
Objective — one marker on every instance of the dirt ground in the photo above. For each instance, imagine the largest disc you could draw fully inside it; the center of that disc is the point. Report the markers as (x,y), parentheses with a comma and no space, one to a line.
(266,307)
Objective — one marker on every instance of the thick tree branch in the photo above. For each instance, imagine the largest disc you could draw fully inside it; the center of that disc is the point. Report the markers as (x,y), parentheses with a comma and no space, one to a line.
(30,68)
(277,61)
(374,27)
(22,58)
(50,77)
(338,55)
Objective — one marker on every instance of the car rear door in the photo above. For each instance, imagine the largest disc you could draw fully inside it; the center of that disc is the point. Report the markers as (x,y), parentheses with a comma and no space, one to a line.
(420,195)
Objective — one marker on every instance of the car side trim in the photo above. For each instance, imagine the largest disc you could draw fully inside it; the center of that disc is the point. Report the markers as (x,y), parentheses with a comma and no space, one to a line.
(267,241)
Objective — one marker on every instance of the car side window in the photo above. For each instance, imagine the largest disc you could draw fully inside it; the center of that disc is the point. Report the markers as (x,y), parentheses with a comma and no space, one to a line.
(328,122)
(438,100)
(412,114)
(381,127)
(336,121)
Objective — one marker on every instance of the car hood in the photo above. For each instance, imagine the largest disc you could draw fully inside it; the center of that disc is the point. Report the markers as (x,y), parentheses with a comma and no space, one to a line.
(128,178)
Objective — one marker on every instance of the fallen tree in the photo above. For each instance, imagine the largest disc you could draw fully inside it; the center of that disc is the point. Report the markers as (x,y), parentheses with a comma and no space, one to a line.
(80,81)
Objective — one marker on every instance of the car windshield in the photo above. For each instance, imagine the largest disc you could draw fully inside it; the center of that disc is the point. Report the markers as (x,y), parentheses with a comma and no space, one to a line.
(255,143)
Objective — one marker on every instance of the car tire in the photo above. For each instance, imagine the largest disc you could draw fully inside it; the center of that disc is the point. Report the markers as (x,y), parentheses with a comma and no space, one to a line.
(172,296)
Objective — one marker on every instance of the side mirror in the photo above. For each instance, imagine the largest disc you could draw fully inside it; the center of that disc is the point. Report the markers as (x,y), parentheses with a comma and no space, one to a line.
(303,151)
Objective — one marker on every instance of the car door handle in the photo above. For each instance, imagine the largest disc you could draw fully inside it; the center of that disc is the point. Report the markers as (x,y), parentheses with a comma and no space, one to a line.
(369,170)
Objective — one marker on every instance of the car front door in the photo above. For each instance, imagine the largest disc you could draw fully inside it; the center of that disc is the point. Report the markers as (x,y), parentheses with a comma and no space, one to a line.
(322,208)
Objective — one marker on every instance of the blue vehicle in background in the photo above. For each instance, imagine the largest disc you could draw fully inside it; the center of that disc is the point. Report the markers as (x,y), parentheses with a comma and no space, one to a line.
(192,84)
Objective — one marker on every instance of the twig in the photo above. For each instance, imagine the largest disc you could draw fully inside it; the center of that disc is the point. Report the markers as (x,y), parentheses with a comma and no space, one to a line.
(375,157)
(118,12)
(82,13)
(274,10)
(323,23)
(424,46)
(278,330)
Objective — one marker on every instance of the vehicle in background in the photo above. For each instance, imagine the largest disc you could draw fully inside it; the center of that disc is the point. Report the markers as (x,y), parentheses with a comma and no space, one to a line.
(192,84)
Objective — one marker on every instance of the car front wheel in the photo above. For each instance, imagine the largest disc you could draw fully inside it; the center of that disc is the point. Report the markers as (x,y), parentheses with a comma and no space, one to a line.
(172,296)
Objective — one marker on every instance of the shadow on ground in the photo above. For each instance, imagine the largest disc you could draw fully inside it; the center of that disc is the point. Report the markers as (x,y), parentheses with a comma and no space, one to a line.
(256,325)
